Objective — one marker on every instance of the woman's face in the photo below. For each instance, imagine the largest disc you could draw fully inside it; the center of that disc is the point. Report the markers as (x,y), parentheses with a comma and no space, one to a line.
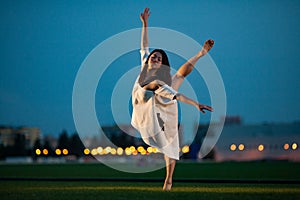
(155,60)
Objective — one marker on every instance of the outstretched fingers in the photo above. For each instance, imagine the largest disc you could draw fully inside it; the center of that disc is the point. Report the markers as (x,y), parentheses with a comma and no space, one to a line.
(145,15)
(202,108)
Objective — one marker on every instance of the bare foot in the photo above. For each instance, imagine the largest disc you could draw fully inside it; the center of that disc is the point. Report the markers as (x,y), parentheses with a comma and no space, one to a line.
(167,186)
(207,46)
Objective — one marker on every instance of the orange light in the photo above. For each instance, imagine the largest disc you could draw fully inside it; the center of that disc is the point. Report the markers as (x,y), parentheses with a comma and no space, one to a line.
(140,149)
(233,147)
(241,147)
(132,149)
(86,151)
(135,153)
(58,152)
(45,151)
(260,147)
(65,151)
(286,146)
(144,152)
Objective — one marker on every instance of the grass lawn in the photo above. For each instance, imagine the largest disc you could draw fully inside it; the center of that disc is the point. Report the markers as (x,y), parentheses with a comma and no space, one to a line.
(93,189)
(128,190)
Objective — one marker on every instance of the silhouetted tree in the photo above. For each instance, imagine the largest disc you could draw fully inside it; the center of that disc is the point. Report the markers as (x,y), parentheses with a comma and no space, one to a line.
(76,145)
(19,148)
(63,141)
(36,145)
(48,147)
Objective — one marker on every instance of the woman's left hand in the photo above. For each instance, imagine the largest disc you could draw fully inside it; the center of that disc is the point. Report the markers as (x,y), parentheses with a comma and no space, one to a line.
(202,108)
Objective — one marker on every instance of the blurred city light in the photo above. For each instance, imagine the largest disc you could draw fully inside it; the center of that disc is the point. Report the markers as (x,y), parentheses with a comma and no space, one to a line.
(294,146)
(107,150)
(120,151)
(127,151)
(94,152)
(38,152)
(185,149)
(132,149)
(241,147)
(286,146)
(58,152)
(86,151)
(45,152)
(260,147)
(99,150)
(233,147)
(113,151)
(65,151)
(150,149)
(140,149)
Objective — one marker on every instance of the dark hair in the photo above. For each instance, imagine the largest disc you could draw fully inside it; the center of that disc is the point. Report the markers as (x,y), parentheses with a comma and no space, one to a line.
(163,73)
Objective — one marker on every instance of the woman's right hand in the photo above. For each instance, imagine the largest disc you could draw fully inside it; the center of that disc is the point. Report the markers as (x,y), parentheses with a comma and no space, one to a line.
(144,16)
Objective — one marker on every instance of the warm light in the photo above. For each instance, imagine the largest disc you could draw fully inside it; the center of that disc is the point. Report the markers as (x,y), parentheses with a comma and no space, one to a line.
(113,151)
(86,151)
(107,150)
(155,150)
(127,151)
(260,147)
(294,146)
(140,149)
(132,149)
(286,146)
(58,152)
(144,152)
(233,147)
(120,151)
(150,149)
(38,152)
(185,149)
(65,151)
(99,150)
(241,147)
(45,151)
(94,152)
(135,152)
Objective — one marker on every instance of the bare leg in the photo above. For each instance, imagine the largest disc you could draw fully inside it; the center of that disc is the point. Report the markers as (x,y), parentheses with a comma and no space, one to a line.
(170,166)
(187,67)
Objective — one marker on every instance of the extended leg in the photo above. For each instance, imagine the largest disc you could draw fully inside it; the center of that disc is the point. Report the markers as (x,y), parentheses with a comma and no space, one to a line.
(187,67)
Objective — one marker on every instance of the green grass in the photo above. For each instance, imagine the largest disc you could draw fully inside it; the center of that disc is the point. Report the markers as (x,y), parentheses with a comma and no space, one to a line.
(226,170)
(12,189)
(124,190)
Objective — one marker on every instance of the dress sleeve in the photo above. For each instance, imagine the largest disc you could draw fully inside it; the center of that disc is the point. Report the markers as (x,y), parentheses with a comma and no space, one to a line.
(144,55)
(166,91)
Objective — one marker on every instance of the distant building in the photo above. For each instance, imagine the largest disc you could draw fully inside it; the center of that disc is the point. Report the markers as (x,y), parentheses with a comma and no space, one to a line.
(239,142)
(8,135)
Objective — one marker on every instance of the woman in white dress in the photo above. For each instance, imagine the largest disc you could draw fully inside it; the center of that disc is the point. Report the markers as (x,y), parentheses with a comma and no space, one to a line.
(154,99)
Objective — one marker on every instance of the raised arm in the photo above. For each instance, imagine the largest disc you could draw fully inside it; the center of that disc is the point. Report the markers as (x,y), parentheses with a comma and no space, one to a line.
(187,67)
(144,18)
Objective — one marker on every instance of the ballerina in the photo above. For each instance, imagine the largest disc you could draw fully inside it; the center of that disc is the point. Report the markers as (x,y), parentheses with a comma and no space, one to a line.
(154,99)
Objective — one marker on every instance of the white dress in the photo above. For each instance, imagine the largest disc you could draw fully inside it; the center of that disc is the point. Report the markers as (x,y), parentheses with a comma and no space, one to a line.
(155,114)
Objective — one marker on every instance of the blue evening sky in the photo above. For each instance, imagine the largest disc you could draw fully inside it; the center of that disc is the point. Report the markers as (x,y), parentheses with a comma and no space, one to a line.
(43,44)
